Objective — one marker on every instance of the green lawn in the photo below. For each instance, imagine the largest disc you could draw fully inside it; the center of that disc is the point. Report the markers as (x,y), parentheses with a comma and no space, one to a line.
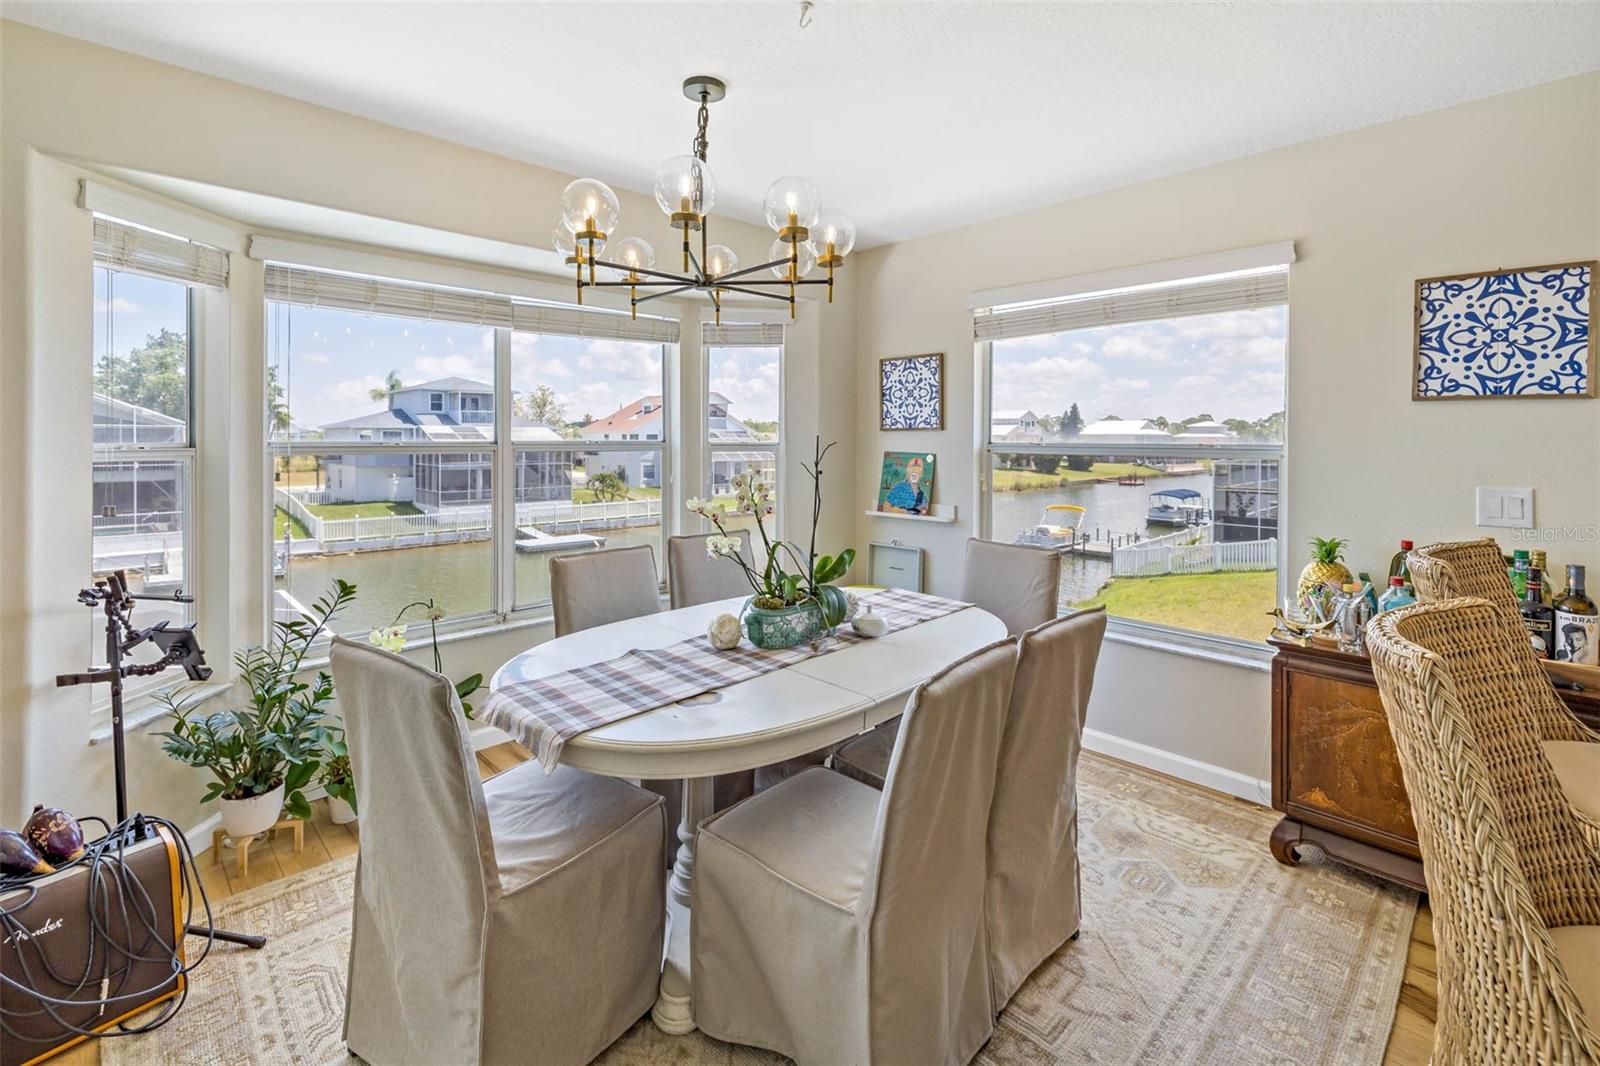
(1233,604)
(282,520)
(1028,480)
(372,509)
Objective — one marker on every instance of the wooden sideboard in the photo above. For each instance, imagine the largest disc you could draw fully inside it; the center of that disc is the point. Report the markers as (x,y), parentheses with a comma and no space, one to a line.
(1335,772)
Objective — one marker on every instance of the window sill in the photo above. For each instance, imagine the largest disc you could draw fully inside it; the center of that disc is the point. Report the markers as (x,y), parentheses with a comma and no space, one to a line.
(143,709)
(1227,651)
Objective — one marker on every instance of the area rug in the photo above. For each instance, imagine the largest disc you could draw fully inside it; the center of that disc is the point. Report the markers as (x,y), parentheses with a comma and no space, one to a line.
(1197,947)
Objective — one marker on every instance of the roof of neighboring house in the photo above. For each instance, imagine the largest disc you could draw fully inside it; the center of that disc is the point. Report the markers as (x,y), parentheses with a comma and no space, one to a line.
(111,407)
(440,427)
(388,418)
(1014,416)
(1122,427)
(1208,425)
(448,385)
(628,418)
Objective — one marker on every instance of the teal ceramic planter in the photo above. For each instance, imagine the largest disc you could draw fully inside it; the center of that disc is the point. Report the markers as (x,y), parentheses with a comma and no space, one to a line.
(784,627)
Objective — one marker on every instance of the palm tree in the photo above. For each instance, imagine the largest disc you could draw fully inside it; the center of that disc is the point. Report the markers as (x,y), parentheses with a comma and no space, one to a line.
(391,385)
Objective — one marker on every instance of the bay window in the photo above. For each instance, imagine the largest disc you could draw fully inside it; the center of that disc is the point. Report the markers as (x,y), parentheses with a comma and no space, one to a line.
(744,405)
(1139,433)
(442,444)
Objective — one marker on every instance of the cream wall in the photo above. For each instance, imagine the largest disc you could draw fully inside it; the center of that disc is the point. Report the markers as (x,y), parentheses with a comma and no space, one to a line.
(66,106)
(1507,181)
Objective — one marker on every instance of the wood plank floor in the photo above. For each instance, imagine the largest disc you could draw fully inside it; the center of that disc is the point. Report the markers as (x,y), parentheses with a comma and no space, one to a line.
(1410,1040)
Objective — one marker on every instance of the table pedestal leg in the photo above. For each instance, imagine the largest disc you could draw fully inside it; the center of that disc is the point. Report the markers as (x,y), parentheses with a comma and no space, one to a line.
(674,1009)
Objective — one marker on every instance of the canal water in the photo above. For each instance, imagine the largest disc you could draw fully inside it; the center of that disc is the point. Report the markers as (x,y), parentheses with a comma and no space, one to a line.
(458,576)
(1111,508)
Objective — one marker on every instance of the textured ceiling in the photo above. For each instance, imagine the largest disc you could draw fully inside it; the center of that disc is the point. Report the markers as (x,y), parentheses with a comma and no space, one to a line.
(910,117)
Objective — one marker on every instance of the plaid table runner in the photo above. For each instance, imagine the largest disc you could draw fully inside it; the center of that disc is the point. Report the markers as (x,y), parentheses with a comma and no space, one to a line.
(545,713)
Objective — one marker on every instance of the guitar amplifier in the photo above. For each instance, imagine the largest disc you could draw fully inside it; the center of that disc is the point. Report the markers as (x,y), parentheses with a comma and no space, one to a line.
(51,945)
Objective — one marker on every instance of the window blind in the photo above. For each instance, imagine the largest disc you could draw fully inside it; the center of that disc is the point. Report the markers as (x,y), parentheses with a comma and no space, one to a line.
(743,334)
(142,251)
(380,296)
(1206,296)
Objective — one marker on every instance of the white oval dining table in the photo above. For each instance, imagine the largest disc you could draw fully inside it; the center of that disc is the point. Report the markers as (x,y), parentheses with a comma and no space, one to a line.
(802,708)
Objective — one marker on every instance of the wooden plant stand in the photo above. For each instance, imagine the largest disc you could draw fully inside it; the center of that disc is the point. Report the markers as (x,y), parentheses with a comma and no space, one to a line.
(243,846)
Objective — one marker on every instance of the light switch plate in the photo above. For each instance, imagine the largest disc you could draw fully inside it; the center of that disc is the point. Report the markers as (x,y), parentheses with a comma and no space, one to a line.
(1506,507)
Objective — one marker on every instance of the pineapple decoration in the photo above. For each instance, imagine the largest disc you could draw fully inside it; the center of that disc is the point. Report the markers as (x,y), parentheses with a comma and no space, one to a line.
(1325,568)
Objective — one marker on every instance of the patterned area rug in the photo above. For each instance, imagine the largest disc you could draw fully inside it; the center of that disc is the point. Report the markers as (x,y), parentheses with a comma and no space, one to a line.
(1197,948)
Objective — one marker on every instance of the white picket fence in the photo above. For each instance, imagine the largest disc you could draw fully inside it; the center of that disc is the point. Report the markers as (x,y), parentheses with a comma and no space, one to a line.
(469,523)
(1151,558)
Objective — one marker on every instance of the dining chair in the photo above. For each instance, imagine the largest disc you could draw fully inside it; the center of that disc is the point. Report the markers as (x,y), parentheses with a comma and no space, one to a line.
(1017,583)
(595,588)
(694,576)
(1513,885)
(489,917)
(836,924)
(1477,568)
(1033,904)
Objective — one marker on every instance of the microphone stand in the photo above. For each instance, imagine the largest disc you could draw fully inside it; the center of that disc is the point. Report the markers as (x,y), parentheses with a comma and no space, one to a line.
(180,647)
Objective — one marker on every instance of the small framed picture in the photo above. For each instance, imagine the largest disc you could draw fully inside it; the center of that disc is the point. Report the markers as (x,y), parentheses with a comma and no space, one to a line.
(1524,333)
(911,391)
(905,485)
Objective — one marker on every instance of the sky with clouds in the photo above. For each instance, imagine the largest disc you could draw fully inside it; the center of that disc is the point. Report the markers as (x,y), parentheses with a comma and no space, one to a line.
(128,308)
(1227,365)
(329,360)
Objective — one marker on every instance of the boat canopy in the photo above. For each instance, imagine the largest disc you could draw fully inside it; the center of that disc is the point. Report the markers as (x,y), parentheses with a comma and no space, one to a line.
(1063,507)
(1178,494)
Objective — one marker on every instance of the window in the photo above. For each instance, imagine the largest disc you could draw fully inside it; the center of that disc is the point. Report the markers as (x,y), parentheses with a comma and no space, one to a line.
(142,424)
(447,502)
(568,395)
(744,404)
(1139,432)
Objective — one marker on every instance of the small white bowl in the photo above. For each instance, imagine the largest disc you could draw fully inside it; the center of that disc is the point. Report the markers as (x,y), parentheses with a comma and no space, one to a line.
(870,625)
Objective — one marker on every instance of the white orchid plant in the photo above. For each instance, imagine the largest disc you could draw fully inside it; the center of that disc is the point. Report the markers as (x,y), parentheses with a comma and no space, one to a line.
(788,578)
(392,637)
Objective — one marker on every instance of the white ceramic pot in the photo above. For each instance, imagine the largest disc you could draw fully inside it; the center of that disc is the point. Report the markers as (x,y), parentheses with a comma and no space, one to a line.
(340,811)
(243,819)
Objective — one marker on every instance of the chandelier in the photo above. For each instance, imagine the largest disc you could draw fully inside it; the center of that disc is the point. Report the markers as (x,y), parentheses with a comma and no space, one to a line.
(808,237)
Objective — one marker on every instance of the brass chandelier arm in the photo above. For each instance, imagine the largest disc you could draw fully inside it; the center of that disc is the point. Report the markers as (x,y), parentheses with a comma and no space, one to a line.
(667,277)
(753,270)
(757,292)
(664,292)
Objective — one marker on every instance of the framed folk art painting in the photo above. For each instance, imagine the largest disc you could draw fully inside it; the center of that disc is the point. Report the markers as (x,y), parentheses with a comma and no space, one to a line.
(1523,333)
(911,392)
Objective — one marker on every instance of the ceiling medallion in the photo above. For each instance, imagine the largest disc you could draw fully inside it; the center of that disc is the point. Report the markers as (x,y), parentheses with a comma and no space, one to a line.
(808,237)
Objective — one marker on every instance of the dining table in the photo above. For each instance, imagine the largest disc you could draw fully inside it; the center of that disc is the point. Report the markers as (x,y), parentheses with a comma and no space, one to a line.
(845,689)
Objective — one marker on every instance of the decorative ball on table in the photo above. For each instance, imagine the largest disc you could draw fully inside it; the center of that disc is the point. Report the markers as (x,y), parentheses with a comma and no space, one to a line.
(724,632)
(870,625)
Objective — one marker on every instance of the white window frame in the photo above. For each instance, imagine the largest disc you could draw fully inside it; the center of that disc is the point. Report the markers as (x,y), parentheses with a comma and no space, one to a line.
(710,447)
(187,458)
(1214,646)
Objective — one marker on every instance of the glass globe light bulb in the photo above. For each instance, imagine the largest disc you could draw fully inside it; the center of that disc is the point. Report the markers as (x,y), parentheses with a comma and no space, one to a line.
(563,240)
(684,183)
(792,195)
(634,253)
(720,260)
(780,250)
(587,199)
(833,227)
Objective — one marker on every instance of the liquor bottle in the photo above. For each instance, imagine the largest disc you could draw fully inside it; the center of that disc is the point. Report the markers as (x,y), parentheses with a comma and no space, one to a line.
(1368,591)
(1539,620)
(1398,567)
(1537,558)
(1398,595)
(1519,572)
(1577,633)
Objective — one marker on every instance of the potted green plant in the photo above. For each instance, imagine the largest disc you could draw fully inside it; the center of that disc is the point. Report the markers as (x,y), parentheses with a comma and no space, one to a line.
(794,596)
(338,780)
(263,755)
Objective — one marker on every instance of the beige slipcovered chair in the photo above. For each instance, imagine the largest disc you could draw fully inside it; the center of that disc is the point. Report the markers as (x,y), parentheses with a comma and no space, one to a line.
(492,920)
(836,924)
(1016,583)
(1033,903)
(1477,568)
(694,577)
(1514,887)
(589,589)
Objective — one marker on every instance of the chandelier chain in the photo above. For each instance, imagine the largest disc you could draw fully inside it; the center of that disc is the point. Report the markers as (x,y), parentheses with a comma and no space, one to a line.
(700,142)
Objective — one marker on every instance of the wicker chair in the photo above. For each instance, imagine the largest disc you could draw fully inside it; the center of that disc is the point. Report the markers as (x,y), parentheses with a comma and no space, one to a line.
(1476,568)
(1514,887)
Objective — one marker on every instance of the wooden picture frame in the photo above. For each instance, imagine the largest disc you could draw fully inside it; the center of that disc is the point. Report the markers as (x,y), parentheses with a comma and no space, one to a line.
(911,392)
(1460,349)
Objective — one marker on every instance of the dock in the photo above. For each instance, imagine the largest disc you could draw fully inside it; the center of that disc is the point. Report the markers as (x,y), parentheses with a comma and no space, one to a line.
(533,539)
